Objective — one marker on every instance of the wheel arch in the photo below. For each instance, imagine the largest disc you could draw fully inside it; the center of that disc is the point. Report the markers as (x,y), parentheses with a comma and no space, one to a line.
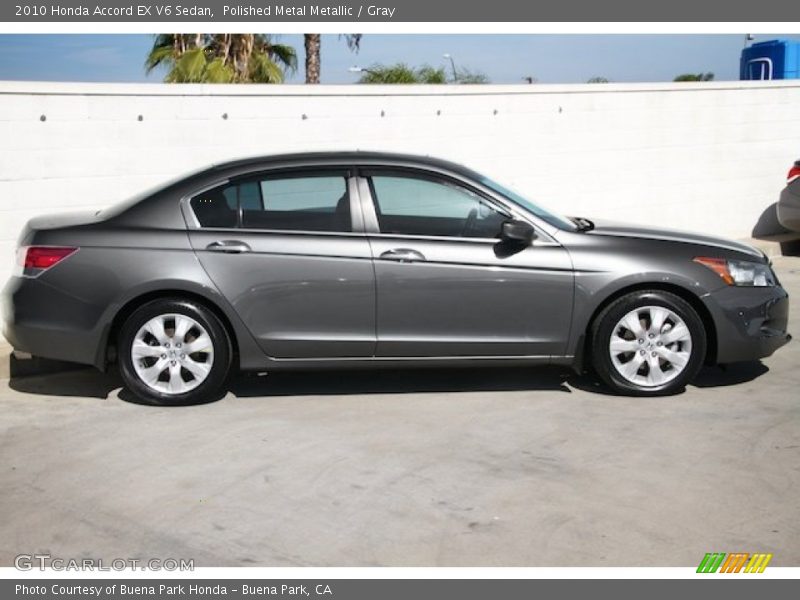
(691,298)
(108,345)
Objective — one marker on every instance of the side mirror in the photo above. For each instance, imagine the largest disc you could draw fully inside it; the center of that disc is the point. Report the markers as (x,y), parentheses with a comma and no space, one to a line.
(518,232)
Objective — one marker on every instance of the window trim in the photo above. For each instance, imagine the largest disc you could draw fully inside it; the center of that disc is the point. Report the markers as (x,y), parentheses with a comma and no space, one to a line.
(369,202)
(347,173)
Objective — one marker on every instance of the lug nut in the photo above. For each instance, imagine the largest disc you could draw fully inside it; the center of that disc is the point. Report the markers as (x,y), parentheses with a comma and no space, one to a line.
(172,362)
(183,356)
(166,345)
(642,352)
(178,345)
(641,341)
(659,343)
(163,356)
(651,335)
(653,354)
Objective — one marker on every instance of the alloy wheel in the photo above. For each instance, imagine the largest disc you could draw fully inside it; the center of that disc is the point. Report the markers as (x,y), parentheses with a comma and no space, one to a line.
(650,346)
(172,353)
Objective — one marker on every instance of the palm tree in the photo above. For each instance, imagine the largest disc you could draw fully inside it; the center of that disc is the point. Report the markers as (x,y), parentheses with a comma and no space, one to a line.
(221,58)
(313,45)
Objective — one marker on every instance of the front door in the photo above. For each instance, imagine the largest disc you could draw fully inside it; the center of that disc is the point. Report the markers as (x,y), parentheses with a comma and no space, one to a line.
(448,287)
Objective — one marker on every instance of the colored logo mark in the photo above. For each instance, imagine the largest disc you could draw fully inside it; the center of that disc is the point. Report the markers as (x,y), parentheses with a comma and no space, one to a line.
(719,562)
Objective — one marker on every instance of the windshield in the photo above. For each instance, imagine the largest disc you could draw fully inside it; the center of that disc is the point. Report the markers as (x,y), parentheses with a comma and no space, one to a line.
(552,219)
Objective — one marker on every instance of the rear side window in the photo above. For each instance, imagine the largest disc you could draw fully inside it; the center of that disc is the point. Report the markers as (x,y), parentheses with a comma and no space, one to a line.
(307,202)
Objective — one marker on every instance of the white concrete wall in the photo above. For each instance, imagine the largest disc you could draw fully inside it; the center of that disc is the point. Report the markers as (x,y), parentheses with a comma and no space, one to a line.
(707,157)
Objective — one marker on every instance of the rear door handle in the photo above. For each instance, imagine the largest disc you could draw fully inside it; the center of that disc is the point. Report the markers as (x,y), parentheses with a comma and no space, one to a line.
(402,255)
(228,246)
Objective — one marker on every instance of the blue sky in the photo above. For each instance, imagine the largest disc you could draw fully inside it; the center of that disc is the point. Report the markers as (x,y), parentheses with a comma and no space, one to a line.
(504,58)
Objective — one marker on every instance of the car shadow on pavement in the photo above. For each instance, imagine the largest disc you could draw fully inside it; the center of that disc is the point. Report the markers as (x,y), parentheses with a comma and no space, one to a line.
(84,382)
(708,377)
(732,374)
(93,384)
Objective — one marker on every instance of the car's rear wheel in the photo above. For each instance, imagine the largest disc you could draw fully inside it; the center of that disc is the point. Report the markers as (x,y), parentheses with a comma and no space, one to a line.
(648,343)
(174,351)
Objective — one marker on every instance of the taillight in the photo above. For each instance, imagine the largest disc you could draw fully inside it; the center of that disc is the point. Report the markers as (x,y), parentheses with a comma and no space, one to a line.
(794,172)
(35,260)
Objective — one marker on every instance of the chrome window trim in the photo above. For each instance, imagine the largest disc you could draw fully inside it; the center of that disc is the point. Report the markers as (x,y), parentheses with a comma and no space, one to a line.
(243,231)
(455,239)
(366,222)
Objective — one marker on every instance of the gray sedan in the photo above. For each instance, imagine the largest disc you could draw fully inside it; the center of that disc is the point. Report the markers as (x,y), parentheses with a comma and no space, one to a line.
(342,260)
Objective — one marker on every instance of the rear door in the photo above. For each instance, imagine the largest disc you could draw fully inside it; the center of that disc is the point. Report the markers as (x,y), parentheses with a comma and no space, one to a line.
(447,285)
(286,249)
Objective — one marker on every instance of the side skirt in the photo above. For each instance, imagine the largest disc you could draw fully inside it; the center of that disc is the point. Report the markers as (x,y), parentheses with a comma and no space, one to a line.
(412,362)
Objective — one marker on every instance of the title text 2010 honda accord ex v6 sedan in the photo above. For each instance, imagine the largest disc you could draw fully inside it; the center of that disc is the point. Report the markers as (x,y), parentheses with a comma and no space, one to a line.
(354,259)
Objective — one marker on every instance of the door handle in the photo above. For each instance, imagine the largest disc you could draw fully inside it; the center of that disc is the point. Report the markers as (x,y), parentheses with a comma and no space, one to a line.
(402,255)
(228,246)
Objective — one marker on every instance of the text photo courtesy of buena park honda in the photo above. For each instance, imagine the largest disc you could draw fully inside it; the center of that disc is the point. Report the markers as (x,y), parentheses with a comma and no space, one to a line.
(409,300)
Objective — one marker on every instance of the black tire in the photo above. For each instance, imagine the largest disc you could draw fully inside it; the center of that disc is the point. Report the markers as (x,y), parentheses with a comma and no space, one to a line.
(603,328)
(211,388)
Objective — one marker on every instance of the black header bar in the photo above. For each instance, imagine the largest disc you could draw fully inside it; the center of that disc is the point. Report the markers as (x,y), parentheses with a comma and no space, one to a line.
(402,11)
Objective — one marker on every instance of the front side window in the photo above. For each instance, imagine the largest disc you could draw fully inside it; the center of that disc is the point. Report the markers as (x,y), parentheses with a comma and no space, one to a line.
(418,206)
(307,202)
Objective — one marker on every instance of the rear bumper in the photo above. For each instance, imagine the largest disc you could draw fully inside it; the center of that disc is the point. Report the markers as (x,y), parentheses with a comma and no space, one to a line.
(751,323)
(44,321)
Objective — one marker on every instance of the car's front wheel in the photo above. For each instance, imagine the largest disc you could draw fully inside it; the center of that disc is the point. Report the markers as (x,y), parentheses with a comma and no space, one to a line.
(648,343)
(174,351)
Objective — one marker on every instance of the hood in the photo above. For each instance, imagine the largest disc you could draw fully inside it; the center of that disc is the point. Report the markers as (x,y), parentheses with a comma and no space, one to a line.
(671,235)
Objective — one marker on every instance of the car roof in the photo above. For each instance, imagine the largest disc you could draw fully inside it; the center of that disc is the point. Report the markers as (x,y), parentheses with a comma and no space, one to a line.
(355,156)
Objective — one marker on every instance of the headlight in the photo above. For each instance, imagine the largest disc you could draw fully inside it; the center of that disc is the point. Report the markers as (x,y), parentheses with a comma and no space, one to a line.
(739,272)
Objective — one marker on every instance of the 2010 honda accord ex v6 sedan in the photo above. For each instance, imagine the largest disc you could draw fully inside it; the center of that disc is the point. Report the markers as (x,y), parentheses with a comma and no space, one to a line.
(353,259)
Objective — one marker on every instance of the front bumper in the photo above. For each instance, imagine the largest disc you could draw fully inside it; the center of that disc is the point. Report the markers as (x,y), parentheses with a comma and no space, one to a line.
(751,323)
(42,320)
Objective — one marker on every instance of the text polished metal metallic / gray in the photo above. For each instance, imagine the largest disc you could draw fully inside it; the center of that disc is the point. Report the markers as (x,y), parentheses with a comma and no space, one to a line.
(356,259)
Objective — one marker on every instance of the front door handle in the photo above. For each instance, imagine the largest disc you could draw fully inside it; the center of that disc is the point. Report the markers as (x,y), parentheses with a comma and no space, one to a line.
(402,255)
(228,246)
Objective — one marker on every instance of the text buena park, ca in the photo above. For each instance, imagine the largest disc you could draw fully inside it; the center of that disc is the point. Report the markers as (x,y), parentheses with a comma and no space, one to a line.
(173,590)
(188,10)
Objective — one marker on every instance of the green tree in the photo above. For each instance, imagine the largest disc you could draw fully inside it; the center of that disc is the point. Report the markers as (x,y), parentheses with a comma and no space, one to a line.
(598,80)
(220,58)
(313,47)
(402,73)
(471,77)
(695,77)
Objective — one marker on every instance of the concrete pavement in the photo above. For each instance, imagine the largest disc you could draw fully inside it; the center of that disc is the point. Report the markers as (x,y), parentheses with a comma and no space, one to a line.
(496,467)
